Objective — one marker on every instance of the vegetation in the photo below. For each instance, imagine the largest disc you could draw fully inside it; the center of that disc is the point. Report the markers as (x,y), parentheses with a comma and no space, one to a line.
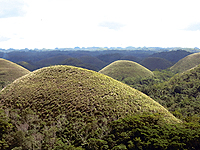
(180,94)
(123,69)
(64,106)
(153,63)
(10,71)
(186,63)
(145,131)
(160,76)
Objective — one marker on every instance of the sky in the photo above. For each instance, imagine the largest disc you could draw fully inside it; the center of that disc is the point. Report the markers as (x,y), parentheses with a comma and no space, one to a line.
(101,23)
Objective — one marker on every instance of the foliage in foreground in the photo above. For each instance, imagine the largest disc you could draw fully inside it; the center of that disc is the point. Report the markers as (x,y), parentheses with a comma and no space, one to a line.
(140,132)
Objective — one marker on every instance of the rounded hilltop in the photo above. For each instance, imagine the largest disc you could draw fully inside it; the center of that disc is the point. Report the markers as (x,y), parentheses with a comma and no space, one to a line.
(72,103)
(122,69)
(186,63)
(67,90)
(10,71)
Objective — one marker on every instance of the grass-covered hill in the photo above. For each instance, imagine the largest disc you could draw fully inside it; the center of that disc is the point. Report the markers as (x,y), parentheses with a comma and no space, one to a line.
(10,71)
(153,63)
(181,93)
(186,63)
(71,105)
(123,69)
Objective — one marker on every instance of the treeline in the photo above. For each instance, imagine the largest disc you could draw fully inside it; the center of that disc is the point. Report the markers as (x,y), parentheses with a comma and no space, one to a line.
(141,132)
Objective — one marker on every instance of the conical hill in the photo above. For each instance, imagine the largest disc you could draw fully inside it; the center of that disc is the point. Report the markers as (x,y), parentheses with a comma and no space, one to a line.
(10,71)
(186,63)
(71,104)
(122,69)
(73,91)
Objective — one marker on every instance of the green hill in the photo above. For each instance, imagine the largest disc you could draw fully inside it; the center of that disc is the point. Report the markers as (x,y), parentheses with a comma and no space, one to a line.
(186,63)
(123,69)
(71,103)
(10,71)
(153,63)
(181,93)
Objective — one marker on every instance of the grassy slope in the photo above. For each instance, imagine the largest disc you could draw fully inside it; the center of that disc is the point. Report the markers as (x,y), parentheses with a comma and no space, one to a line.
(78,93)
(122,69)
(10,71)
(181,93)
(153,63)
(186,63)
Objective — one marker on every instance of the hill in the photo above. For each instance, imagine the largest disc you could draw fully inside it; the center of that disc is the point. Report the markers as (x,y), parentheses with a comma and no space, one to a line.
(131,58)
(10,71)
(172,56)
(71,104)
(97,63)
(27,65)
(153,63)
(55,60)
(78,63)
(123,69)
(186,63)
(181,93)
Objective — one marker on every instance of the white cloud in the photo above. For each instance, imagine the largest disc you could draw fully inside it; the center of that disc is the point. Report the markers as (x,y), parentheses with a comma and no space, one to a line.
(112,25)
(193,27)
(69,23)
(11,8)
(4,39)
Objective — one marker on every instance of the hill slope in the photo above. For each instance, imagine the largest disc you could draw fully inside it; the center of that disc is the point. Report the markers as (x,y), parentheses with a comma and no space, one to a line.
(186,63)
(181,93)
(10,71)
(73,103)
(123,69)
(153,63)
(70,89)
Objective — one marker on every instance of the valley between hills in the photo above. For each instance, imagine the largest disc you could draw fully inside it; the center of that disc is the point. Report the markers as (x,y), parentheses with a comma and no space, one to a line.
(100,100)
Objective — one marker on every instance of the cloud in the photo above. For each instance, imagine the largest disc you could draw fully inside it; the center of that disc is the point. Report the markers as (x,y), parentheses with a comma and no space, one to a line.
(2,39)
(111,25)
(11,8)
(193,27)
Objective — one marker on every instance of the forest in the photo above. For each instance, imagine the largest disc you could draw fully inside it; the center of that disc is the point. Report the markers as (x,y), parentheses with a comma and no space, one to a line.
(66,100)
